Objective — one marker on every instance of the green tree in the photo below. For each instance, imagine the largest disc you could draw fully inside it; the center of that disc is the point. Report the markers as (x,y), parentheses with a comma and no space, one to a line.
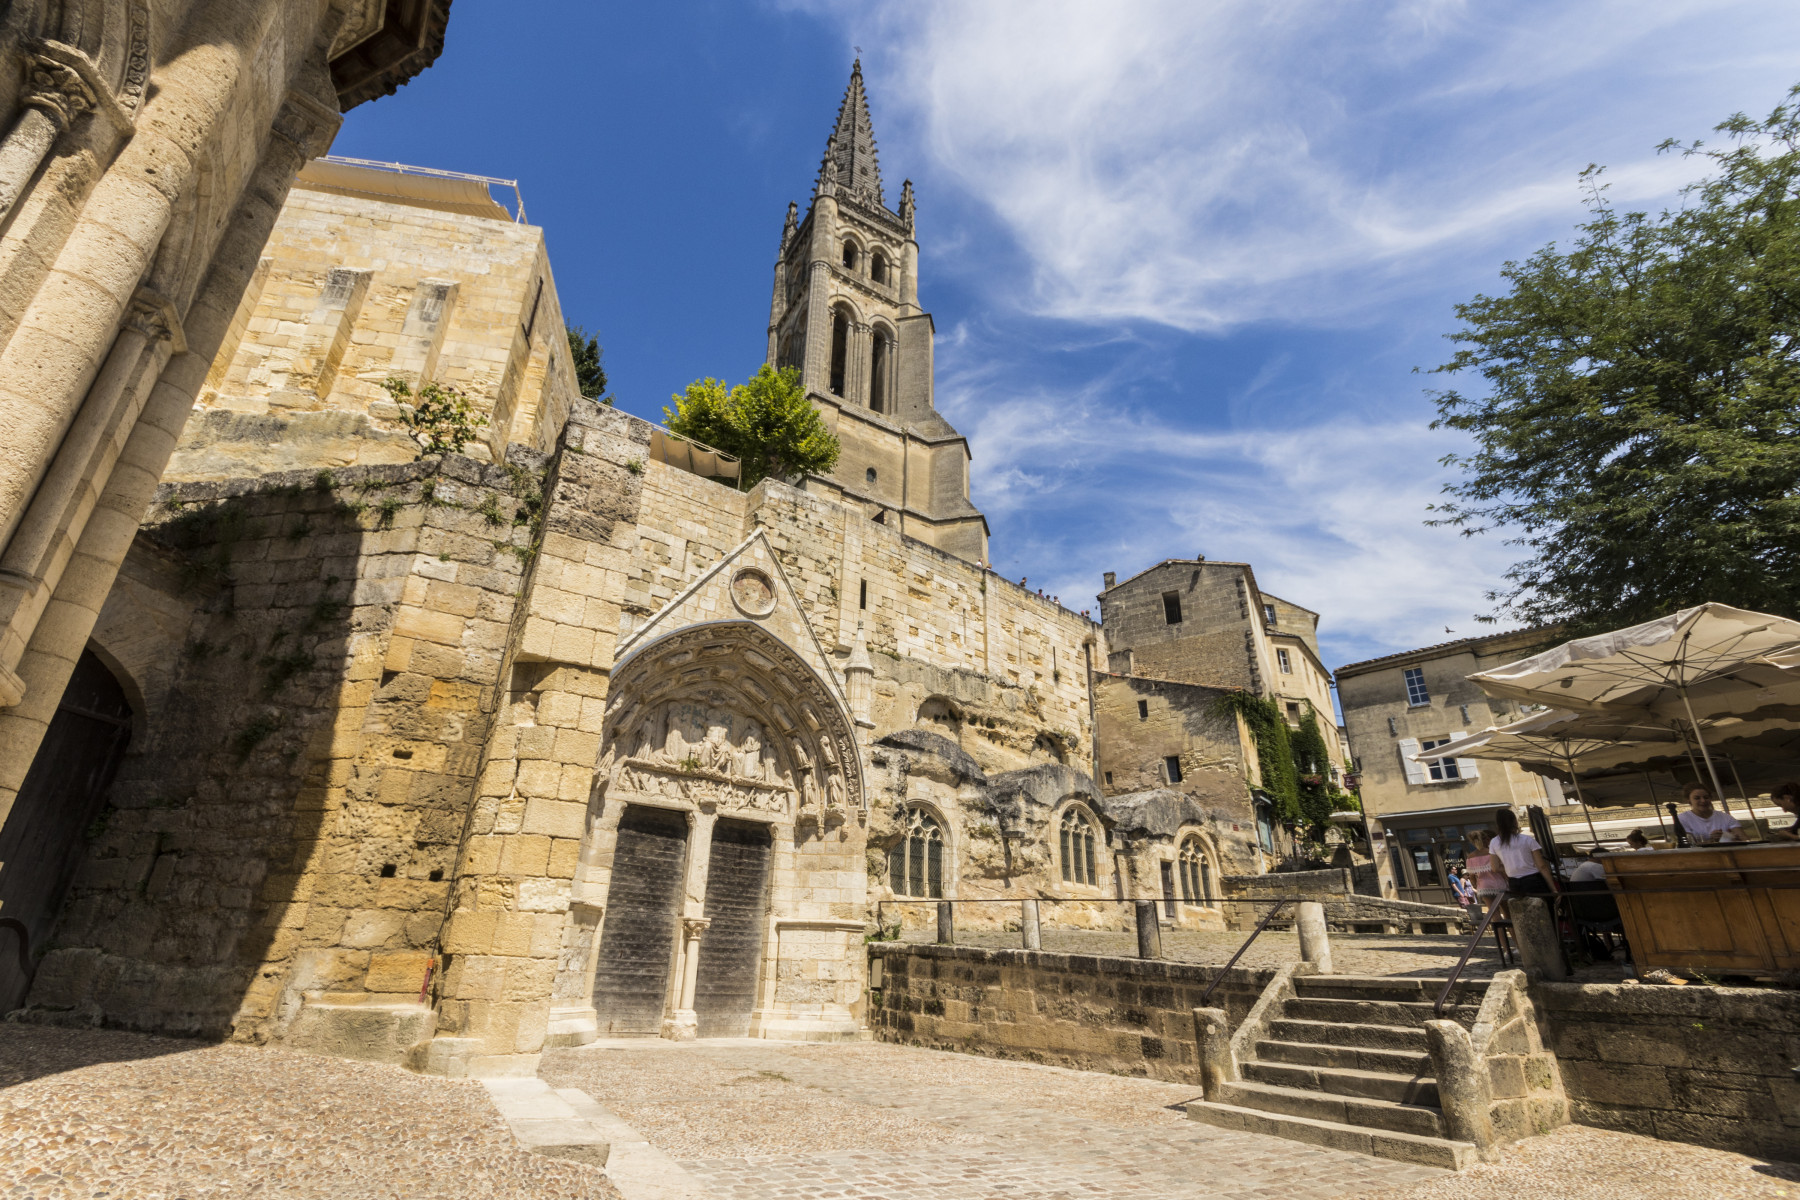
(1311,758)
(767,422)
(1637,435)
(439,417)
(590,372)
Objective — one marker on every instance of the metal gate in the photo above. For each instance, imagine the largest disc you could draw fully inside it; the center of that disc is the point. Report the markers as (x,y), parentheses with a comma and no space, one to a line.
(41,843)
(737,879)
(643,908)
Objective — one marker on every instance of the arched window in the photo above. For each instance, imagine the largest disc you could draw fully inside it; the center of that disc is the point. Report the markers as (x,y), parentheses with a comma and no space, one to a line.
(869,475)
(916,863)
(1196,874)
(1078,849)
(840,350)
(849,254)
(879,357)
(878,267)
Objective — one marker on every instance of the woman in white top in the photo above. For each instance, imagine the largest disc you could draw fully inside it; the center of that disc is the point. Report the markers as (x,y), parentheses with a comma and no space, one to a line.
(1526,868)
(1706,824)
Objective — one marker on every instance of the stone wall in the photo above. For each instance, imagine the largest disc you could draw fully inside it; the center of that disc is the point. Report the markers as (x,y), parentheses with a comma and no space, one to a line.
(357,288)
(316,660)
(1710,1065)
(1125,1016)
(1220,639)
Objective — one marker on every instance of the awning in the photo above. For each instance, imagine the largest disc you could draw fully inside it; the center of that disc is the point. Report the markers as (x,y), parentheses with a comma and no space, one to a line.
(446,193)
(689,455)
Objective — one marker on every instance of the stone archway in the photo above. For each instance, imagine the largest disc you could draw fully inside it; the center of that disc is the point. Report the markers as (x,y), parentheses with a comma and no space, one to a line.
(727,728)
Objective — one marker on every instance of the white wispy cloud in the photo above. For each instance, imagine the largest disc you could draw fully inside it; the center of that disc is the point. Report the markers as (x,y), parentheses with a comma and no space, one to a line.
(1091,172)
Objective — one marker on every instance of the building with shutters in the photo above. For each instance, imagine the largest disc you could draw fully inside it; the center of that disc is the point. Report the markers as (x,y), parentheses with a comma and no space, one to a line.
(1420,813)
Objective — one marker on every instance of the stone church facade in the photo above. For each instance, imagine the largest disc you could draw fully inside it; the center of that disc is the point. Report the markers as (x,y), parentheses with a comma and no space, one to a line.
(442,760)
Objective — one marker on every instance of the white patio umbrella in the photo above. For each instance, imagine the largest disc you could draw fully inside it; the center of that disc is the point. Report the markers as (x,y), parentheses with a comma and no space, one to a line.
(1700,664)
(1586,741)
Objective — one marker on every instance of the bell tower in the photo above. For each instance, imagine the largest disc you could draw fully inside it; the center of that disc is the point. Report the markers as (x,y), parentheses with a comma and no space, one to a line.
(846,314)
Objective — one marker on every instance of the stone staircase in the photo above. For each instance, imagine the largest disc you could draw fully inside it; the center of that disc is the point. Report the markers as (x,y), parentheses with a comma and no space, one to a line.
(1342,1061)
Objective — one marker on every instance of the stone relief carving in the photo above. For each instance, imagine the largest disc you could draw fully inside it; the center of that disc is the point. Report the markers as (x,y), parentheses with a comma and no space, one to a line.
(699,721)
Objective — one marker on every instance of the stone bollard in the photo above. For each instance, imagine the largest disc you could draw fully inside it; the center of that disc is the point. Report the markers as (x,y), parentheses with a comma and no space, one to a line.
(1028,925)
(1212,1035)
(1149,932)
(1465,1093)
(946,924)
(1535,934)
(1315,938)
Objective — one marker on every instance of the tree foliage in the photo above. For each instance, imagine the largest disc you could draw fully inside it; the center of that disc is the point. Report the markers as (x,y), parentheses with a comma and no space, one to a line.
(590,371)
(1274,750)
(1638,431)
(767,422)
(439,417)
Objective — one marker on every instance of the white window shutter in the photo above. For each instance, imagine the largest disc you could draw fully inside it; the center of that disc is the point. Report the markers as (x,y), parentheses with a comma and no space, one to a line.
(1415,771)
(1466,767)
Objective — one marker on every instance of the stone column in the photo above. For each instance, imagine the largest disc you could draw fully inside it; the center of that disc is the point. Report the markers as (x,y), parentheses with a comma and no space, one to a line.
(302,129)
(55,95)
(1465,1093)
(1212,1037)
(859,680)
(35,558)
(1149,934)
(1315,938)
(1539,942)
(684,1025)
(681,1025)
(1028,924)
(47,365)
(946,923)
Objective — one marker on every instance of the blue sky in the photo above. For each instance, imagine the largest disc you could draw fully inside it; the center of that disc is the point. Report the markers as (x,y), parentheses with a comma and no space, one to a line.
(1183,257)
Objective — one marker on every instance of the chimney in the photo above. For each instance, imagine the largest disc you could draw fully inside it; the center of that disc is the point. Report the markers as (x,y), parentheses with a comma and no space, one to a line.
(1111,577)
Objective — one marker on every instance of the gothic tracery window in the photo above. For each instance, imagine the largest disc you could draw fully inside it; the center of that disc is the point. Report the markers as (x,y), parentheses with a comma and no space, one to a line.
(1196,873)
(1078,849)
(916,861)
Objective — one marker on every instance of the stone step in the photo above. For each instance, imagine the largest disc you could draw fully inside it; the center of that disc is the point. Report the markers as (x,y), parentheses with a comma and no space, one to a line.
(1357,1058)
(1343,1110)
(1386,987)
(1402,1147)
(1407,1088)
(1374,1012)
(1332,1033)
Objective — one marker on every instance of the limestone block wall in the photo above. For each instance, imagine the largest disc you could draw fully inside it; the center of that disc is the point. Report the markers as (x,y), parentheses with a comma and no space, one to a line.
(1125,1016)
(1220,640)
(317,660)
(356,288)
(1710,1065)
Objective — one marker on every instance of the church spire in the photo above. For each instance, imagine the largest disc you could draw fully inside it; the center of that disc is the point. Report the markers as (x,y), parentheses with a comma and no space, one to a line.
(850,159)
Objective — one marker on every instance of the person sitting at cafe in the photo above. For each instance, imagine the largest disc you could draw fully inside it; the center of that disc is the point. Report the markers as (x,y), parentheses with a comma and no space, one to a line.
(1787,797)
(1587,871)
(1522,855)
(1704,823)
(1635,840)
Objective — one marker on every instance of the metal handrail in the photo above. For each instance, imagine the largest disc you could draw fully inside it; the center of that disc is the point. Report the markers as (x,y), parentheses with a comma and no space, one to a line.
(1232,962)
(1437,1009)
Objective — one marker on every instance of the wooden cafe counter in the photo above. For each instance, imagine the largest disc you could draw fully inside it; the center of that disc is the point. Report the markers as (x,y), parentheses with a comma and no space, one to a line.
(1730,916)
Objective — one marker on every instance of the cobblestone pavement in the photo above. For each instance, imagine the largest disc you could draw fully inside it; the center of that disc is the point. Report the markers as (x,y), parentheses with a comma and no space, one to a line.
(754,1120)
(1580,1163)
(1351,954)
(92,1113)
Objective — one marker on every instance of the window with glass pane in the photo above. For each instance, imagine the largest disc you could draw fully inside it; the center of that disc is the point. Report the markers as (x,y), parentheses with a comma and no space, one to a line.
(1415,687)
(1078,848)
(1195,882)
(1440,768)
(916,862)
